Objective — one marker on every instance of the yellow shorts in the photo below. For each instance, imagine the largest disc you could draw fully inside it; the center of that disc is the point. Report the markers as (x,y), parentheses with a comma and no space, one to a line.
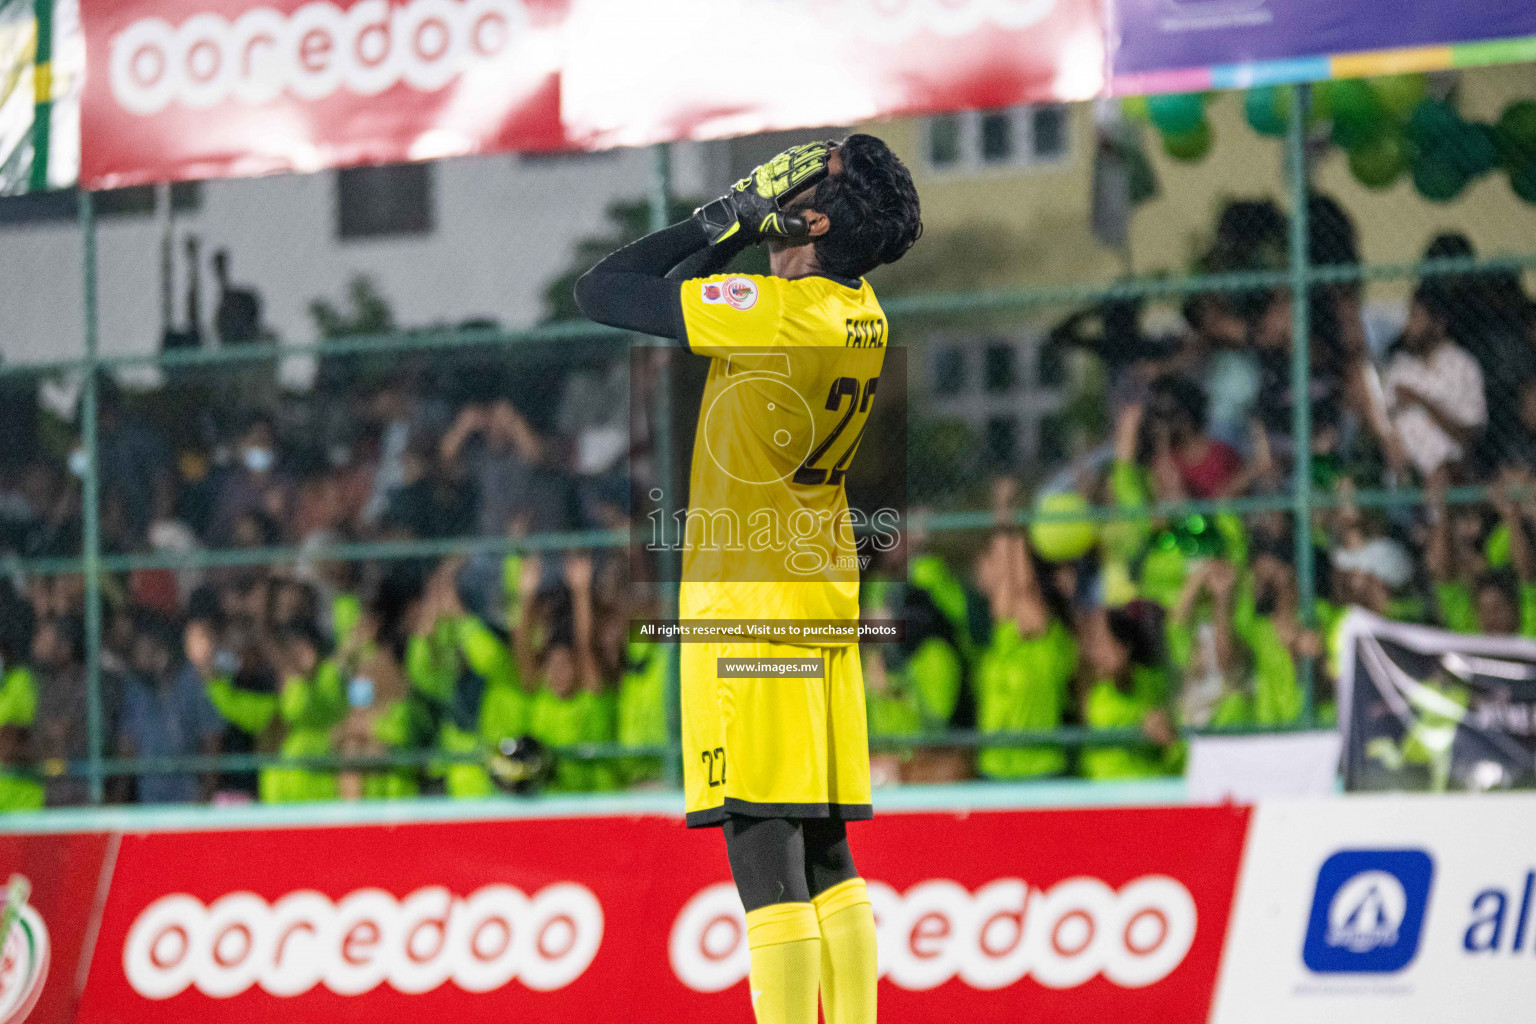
(774,747)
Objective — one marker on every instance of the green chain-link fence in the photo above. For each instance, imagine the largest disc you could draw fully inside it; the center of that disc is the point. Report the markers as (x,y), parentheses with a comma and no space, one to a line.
(1151,418)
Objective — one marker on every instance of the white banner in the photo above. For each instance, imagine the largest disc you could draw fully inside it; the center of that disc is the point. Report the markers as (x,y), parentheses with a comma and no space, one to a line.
(1391,909)
(1247,769)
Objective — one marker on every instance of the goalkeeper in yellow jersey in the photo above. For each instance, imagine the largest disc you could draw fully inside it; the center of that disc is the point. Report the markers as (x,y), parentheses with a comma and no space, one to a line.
(780,760)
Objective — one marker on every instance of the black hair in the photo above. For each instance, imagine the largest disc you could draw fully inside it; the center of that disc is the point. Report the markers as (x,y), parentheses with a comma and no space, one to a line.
(1469,304)
(1449,245)
(16,624)
(924,621)
(1251,234)
(1502,580)
(559,618)
(873,207)
(1138,627)
(1332,238)
(158,629)
(1057,603)
(1439,300)
(306,632)
(1174,395)
(203,605)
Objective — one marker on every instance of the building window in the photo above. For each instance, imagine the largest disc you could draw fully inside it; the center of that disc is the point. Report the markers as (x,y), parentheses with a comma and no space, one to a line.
(64,204)
(1049,132)
(1002,440)
(1051,369)
(377,202)
(1000,373)
(1012,137)
(139,200)
(944,140)
(949,371)
(1055,432)
(996,137)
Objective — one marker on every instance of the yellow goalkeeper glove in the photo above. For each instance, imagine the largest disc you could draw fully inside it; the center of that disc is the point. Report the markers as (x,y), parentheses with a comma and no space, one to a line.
(755,204)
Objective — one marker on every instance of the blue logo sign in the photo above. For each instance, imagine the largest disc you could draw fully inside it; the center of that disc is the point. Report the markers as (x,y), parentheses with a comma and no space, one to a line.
(1368,911)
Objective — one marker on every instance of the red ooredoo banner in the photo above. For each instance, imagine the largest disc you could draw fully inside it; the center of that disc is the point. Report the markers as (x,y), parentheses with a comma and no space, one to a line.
(666,69)
(181,89)
(1048,916)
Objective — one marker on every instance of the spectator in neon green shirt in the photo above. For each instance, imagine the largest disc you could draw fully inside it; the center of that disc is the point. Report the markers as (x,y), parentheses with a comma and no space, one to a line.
(346,616)
(641,706)
(570,707)
(1129,690)
(1471,598)
(915,688)
(310,704)
(1024,677)
(931,574)
(1203,646)
(19,790)
(1157,557)
(381,714)
(247,713)
(917,684)
(471,679)
(1367,569)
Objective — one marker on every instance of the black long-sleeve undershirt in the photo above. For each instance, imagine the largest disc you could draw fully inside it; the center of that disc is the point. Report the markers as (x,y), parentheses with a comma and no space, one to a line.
(636,288)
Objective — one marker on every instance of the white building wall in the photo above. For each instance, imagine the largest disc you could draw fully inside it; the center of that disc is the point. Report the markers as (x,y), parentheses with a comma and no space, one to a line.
(503,226)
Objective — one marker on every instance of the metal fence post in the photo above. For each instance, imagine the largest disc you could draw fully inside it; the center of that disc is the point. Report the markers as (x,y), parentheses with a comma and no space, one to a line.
(660,201)
(1301,373)
(90,504)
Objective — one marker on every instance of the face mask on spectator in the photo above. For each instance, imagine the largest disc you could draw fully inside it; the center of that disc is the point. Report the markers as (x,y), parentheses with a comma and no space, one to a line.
(78,462)
(258,460)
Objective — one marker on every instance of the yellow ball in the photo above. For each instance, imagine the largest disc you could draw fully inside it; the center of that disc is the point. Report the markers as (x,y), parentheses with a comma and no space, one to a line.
(1063,540)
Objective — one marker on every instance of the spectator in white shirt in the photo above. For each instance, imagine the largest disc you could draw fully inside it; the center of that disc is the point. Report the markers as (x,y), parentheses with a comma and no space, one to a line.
(1434,389)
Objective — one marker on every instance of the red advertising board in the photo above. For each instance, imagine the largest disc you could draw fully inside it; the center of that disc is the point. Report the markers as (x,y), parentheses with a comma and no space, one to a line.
(51,931)
(182,89)
(1066,915)
(666,69)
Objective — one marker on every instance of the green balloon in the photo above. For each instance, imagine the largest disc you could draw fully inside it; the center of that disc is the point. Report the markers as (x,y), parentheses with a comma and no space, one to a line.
(1522,180)
(1189,146)
(1177,113)
(1434,123)
(1381,163)
(1399,94)
(1321,108)
(1438,180)
(1516,133)
(1358,116)
(1268,109)
(1474,150)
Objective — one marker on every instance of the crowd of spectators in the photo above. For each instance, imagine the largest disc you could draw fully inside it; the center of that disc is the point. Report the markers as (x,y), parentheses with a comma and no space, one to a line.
(279,649)
(1147,626)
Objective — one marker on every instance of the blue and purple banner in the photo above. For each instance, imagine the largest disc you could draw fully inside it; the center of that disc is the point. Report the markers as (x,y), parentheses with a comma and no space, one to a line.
(1177,45)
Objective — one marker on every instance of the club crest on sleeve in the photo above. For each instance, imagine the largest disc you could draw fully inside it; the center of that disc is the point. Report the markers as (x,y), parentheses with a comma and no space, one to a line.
(740,293)
(711,293)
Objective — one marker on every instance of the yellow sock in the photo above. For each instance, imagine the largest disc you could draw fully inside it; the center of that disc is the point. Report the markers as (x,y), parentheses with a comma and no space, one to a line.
(785,940)
(848,970)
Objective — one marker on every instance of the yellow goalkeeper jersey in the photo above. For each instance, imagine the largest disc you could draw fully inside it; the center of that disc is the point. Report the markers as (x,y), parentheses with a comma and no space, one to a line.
(795,366)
